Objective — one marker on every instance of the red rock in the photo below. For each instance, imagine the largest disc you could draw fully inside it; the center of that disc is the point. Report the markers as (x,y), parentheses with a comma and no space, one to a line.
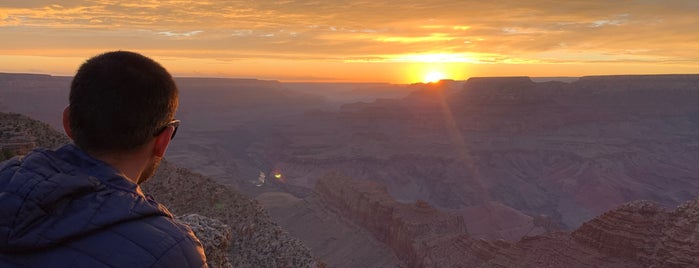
(636,234)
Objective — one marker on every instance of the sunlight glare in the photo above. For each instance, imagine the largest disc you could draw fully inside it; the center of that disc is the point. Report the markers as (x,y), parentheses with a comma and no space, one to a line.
(434,76)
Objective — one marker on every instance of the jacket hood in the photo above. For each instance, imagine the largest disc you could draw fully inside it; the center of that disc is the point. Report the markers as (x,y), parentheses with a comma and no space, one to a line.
(49,197)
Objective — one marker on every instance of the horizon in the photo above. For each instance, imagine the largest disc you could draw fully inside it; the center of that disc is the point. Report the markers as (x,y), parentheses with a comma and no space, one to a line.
(361,42)
(535,79)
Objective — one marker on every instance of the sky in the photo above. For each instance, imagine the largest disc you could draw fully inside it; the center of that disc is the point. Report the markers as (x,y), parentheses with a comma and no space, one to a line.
(357,41)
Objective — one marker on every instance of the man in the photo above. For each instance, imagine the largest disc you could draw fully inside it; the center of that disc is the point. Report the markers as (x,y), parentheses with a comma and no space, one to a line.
(81,206)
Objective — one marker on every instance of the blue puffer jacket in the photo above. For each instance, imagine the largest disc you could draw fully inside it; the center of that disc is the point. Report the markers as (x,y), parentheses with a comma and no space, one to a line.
(64,208)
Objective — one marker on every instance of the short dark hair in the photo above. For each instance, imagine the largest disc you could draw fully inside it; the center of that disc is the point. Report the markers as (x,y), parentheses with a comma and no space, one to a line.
(119,101)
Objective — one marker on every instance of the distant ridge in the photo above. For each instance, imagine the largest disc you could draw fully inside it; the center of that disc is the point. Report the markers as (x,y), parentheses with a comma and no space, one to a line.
(24,74)
(536,79)
(641,76)
(566,79)
(224,79)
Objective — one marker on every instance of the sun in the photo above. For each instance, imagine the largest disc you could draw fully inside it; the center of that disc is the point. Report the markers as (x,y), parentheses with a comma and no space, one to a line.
(433,76)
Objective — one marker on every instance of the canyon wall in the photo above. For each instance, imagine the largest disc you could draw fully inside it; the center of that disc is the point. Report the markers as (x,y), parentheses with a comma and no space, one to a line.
(636,234)
(644,232)
(408,229)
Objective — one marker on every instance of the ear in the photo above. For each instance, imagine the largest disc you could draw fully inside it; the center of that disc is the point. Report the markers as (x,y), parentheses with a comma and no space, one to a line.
(162,141)
(66,122)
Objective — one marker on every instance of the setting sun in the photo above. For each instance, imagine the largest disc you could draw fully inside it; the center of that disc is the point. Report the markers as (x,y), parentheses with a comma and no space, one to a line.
(334,41)
(434,76)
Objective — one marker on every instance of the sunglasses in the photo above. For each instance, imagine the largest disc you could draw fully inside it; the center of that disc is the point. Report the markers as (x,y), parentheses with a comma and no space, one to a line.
(175,123)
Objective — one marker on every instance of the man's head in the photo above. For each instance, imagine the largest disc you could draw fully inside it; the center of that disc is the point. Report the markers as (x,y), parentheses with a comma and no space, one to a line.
(119,102)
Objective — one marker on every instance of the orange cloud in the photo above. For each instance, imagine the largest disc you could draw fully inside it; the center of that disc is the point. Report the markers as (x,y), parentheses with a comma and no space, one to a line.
(503,32)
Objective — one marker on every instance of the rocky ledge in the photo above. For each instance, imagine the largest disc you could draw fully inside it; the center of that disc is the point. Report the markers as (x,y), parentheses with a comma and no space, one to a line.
(256,240)
(214,235)
(643,232)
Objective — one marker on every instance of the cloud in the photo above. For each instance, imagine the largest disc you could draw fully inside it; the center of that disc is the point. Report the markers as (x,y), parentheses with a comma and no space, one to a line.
(180,34)
(537,30)
(436,37)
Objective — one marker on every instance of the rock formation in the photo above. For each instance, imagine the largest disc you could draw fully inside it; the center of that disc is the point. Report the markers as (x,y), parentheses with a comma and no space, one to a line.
(214,236)
(17,129)
(256,240)
(408,229)
(637,234)
(643,232)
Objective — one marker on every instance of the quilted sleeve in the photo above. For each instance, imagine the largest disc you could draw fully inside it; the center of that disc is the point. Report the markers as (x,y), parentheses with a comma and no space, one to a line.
(187,253)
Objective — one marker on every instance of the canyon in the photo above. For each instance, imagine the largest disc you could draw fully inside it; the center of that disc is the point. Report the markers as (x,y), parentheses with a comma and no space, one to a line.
(519,172)
(564,152)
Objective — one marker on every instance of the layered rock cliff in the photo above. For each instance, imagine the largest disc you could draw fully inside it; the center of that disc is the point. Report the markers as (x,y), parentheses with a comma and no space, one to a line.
(405,228)
(636,234)
(643,232)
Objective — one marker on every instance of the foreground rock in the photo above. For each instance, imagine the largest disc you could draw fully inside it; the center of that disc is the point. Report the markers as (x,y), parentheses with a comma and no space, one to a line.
(256,240)
(19,134)
(214,235)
